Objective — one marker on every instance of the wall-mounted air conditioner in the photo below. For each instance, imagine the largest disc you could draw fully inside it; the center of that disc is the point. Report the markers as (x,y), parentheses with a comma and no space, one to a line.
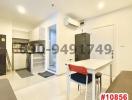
(70,22)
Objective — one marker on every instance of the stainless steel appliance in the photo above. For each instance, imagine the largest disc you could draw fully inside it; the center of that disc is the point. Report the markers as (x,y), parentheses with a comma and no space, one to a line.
(37,46)
(82,46)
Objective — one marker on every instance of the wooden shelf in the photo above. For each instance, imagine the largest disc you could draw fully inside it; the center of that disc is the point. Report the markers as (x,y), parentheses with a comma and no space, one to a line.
(19,46)
(19,52)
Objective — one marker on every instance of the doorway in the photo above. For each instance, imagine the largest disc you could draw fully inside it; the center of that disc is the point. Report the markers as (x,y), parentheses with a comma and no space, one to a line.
(102,39)
(52,42)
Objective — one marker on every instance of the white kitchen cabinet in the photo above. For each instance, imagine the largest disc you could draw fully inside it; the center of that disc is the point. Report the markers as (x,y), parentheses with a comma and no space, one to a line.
(20,34)
(37,63)
(38,34)
(20,61)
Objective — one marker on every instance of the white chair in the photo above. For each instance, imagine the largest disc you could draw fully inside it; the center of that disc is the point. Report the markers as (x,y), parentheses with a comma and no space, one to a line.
(81,77)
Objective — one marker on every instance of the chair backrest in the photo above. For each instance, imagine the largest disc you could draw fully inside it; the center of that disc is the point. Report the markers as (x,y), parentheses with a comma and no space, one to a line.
(78,69)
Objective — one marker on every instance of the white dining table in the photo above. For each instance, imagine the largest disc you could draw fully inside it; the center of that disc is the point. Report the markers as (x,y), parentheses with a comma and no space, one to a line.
(93,65)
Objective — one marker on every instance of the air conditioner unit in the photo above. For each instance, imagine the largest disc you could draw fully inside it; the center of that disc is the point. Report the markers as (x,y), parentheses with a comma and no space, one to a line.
(70,22)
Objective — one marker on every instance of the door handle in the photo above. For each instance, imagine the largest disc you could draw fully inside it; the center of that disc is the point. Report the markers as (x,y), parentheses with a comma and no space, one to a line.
(112,54)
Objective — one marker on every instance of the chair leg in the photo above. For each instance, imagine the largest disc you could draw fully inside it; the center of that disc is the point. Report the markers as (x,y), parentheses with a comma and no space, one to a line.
(78,87)
(98,87)
(68,88)
(86,91)
(100,84)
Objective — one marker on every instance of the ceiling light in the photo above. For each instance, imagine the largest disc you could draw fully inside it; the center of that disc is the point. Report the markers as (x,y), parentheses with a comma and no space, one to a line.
(21,9)
(101,5)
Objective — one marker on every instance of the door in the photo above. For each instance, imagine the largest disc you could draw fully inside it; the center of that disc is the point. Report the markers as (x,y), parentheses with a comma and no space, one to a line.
(102,40)
(82,42)
(52,54)
(2,54)
(79,44)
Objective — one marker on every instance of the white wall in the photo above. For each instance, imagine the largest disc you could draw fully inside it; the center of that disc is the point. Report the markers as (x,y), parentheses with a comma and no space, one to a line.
(122,22)
(46,24)
(35,34)
(6,29)
(38,33)
(20,34)
(64,36)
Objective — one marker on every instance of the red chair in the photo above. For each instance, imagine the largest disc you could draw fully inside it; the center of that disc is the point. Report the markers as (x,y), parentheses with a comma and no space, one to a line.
(80,76)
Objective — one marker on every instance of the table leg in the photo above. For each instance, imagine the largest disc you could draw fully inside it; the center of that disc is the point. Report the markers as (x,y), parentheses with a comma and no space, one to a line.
(110,73)
(68,87)
(93,86)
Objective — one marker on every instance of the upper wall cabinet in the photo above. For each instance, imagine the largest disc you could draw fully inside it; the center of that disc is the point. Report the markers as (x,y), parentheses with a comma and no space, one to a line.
(20,34)
(38,34)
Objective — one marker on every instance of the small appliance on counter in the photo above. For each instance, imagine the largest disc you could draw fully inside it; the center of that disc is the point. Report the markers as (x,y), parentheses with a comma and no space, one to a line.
(37,46)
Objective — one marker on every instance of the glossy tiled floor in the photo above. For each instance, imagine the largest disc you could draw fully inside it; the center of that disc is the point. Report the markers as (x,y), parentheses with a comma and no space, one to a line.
(39,88)
(51,89)
(18,83)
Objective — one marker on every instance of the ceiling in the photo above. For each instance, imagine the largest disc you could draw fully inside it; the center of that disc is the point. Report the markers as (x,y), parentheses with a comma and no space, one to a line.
(36,11)
(83,9)
(39,10)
